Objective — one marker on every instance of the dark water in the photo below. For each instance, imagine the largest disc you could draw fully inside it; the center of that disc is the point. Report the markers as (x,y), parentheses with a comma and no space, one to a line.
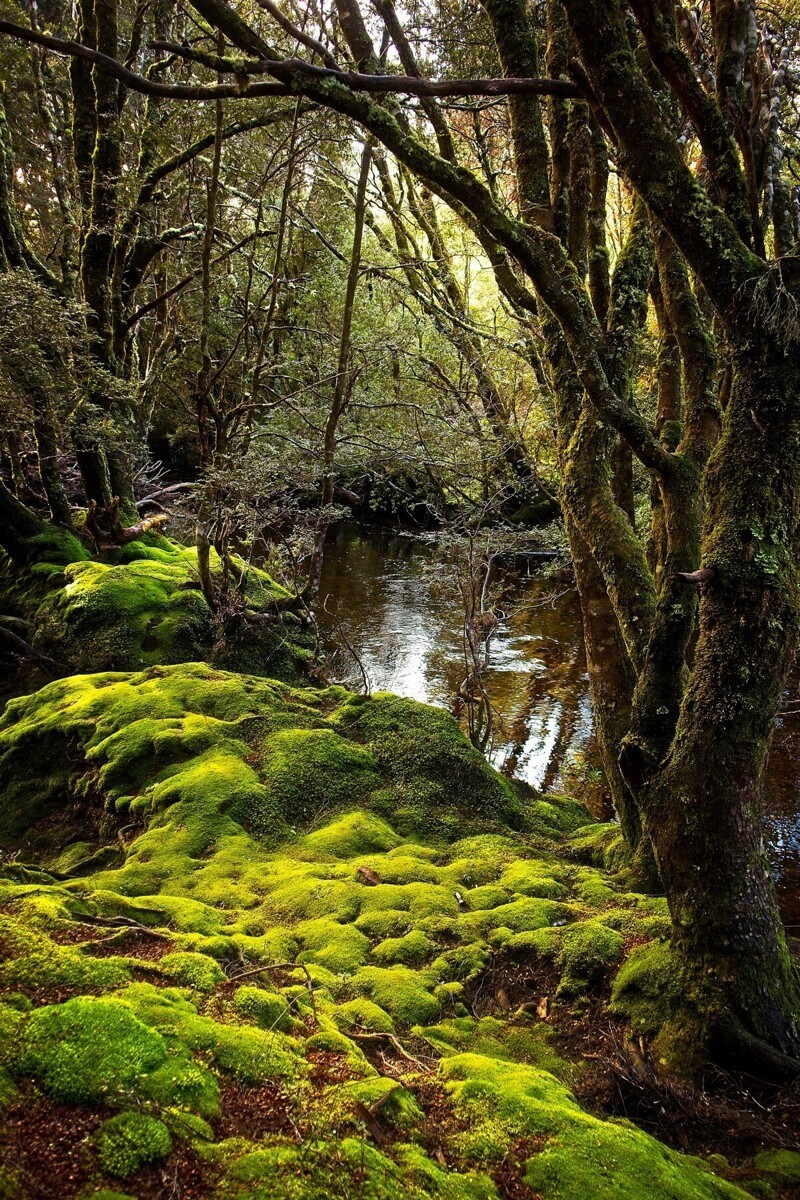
(396,600)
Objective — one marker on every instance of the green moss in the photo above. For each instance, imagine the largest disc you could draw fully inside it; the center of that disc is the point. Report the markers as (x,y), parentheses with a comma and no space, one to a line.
(353,835)
(103,1194)
(588,951)
(284,1171)
(785,1164)
(438,781)
(34,960)
(206,770)
(384,923)
(251,1055)
(340,948)
(557,815)
(195,970)
(131,1140)
(267,1009)
(581,1156)
(400,991)
(316,770)
(647,987)
(91,1050)
(88,1050)
(364,1014)
(414,947)
(532,878)
(144,606)
(526,913)
(489,896)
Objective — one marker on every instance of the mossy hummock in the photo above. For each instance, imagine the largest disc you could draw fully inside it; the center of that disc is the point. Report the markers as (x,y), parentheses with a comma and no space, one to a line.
(234,896)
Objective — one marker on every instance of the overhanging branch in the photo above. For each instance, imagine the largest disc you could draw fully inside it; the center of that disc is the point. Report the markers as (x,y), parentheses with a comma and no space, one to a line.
(288,74)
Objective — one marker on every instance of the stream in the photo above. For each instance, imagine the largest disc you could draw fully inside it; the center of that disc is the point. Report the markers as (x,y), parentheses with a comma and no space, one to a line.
(397,603)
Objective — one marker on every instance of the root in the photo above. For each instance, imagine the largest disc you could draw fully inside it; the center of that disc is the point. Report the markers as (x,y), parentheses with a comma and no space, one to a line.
(753,1054)
(107,530)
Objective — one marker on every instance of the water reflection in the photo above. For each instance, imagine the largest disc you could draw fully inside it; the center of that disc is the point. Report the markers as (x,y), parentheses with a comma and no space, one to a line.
(400,608)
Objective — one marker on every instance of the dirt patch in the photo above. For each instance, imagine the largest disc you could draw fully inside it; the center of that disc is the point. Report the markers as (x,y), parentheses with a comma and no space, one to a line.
(253,1112)
(50,1144)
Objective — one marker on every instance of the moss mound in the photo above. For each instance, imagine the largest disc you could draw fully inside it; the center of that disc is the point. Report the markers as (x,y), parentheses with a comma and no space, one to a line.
(130,1140)
(142,605)
(248,969)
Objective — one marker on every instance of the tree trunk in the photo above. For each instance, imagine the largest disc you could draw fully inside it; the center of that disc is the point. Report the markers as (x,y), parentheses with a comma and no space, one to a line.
(17,526)
(703,808)
(47,450)
(341,391)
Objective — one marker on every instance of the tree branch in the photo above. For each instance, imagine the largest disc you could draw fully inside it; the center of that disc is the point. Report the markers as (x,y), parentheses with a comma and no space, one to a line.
(290,72)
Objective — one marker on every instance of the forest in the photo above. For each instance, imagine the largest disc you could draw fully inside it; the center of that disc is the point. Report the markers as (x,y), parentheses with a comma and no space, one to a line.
(399,599)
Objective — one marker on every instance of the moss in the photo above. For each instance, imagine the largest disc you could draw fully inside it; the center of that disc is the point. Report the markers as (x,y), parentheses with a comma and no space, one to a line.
(382,924)
(532,878)
(353,835)
(438,781)
(103,1194)
(96,1050)
(195,970)
(340,948)
(315,770)
(206,767)
(581,1156)
(144,606)
(400,991)
(647,987)
(414,947)
(588,950)
(39,962)
(594,889)
(526,913)
(489,896)
(599,845)
(364,1014)
(88,1050)
(267,1009)
(557,815)
(785,1164)
(129,1141)
(251,1055)
(284,1171)
(461,963)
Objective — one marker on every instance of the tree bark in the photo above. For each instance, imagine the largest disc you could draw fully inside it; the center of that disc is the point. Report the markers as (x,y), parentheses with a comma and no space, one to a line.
(703,808)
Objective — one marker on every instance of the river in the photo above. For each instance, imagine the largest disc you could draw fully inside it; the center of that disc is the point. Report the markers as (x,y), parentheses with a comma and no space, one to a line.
(397,602)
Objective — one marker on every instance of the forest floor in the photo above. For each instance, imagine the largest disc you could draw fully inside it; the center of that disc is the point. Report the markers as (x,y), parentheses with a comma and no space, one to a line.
(261,940)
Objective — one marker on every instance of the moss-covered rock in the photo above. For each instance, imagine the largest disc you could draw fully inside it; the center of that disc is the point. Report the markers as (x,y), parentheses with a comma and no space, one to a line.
(142,605)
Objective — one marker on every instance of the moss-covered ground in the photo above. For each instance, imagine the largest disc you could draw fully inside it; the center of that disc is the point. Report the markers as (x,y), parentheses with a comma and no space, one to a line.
(142,604)
(281,943)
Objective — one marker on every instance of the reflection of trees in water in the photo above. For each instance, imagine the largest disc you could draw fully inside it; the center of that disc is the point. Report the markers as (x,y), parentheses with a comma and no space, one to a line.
(399,605)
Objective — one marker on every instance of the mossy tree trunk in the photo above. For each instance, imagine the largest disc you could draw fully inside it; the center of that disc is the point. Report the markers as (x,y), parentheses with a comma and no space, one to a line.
(18,525)
(703,806)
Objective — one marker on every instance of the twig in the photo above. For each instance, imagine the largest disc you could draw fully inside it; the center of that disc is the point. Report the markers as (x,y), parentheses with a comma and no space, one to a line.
(387,1037)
